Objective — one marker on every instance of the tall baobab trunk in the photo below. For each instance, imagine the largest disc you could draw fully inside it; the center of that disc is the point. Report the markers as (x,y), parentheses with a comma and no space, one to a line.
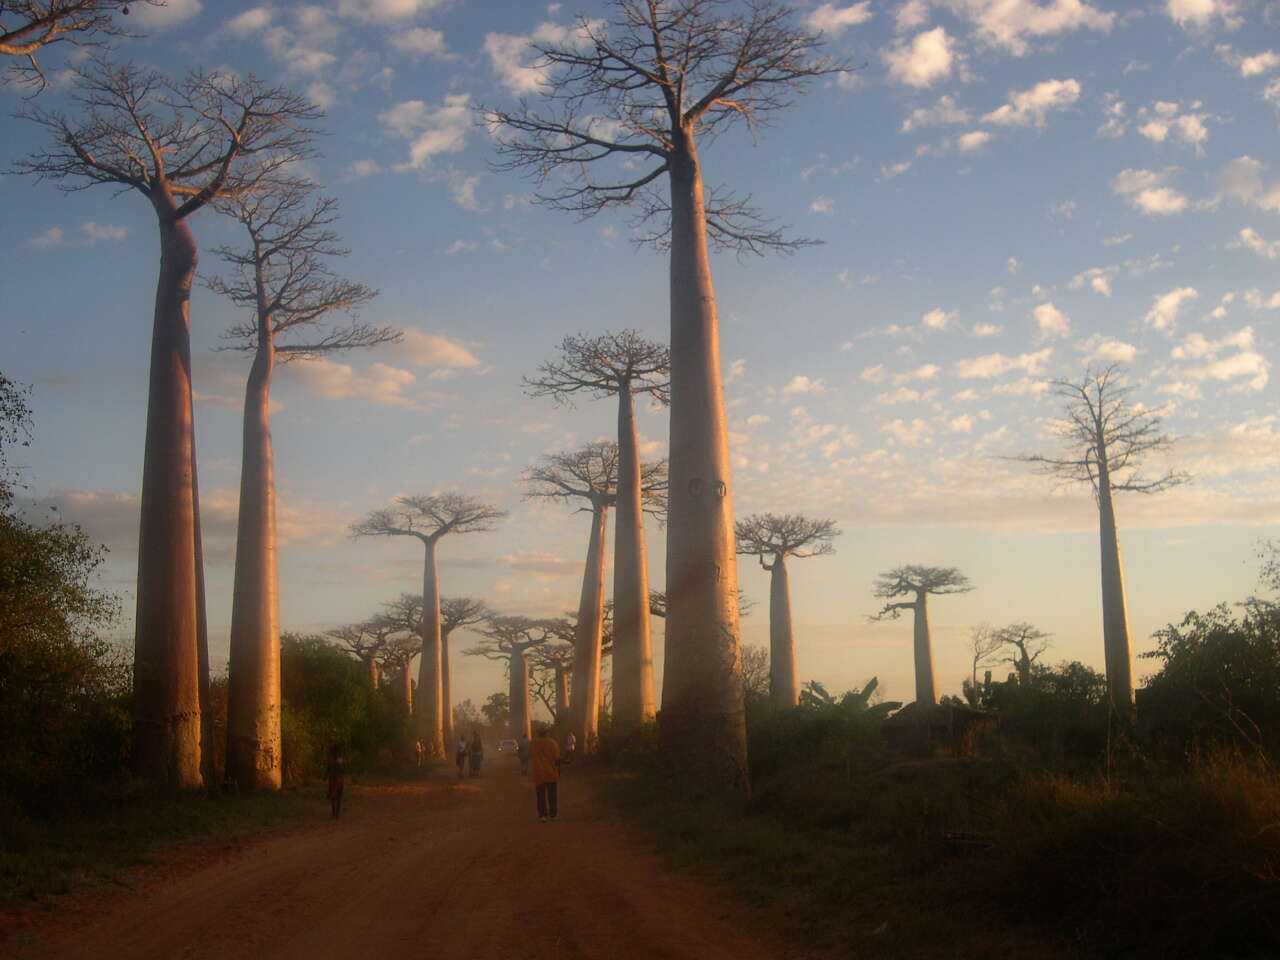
(1115,612)
(703,718)
(562,695)
(633,701)
(585,708)
(202,642)
(253,675)
(168,712)
(783,690)
(375,673)
(446,691)
(406,686)
(429,683)
(521,708)
(926,685)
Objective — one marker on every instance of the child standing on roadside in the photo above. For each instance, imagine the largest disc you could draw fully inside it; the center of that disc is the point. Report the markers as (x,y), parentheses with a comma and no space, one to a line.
(545,753)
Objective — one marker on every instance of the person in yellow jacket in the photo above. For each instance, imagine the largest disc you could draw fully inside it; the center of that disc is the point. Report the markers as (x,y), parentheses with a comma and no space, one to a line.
(545,756)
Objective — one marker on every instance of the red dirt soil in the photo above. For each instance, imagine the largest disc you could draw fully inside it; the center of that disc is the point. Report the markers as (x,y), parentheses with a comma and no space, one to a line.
(437,868)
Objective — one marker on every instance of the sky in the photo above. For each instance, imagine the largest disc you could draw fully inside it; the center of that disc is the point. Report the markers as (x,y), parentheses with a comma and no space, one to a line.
(1007,191)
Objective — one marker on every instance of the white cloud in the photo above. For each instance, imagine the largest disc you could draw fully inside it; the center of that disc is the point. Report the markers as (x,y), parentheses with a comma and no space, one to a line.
(961,424)
(173,12)
(322,95)
(829,18)
(1116,240)
(1241,180)
(973,140)
(928,57)
(461,246)
(801,384)
(1147,191)
(1163,314)
(943,112)
(362,168)
(103,233)
(1249,237)
(1051,321)
(431,130)
(924,372)
(419,42)
(823,205)
(1254,300)
(889,171)
(874,374)
(986,329)
(994,364)
(1010,24)
(910,15)
(251,21)
(1199,14)
(50,238)
(424,349)
(909,434)
(1259,63)
(514,59)
(901,395)
(1100,349)
(757,419)
(1013,265)
(938,319)
(383,385)
(1166,121)
(1028,107)
(1244,364)
(1098,279)
(386,11)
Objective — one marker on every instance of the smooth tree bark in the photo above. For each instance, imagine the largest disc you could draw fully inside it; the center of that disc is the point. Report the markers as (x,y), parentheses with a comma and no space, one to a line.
(281,277)
(430,518)
(777,537)
(646,88)
(1107,439)
(509,639)
(917,583)
(590,475)
(623,365)
(30,27)
(455,612)
(212,136)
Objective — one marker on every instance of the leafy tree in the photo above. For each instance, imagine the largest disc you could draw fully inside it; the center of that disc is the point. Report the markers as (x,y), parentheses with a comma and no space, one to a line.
(624,112)
(326,701)
(497,709)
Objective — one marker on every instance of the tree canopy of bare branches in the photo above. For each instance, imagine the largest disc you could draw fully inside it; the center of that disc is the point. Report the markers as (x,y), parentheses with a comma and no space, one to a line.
(918,582)
(455,613)
(508,638)
(590,473)
(627,98)
(29,26)
(1106,438)
(603,366)
(777,537)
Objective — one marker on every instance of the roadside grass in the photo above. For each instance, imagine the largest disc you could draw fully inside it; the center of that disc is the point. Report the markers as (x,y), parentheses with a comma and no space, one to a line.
(988,858)
(106,834)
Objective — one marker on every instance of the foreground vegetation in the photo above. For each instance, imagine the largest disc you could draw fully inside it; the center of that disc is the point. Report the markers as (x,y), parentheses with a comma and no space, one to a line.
(1062,835)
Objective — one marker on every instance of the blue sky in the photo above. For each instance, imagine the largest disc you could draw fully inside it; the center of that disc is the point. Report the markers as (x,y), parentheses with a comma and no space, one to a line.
(1006,191)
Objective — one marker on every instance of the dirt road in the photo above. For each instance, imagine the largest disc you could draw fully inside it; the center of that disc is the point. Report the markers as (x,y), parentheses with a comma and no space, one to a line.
(441,869)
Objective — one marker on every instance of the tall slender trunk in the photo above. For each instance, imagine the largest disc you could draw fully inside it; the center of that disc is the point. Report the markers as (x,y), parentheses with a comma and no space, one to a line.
(375,674)
(446,691)
(562,695)
(926,685)
(583,713)
(521,708)
(253,675)
(703,721)
(431,717)
(207,769)
(633,701)
(1115,608)
(782,644)
(168,712)
(406,686)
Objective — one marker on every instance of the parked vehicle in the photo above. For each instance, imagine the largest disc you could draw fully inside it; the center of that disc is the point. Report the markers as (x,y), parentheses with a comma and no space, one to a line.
(508,746)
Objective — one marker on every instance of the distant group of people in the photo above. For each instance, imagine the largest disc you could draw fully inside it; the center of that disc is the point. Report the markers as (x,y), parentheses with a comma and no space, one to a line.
(469,753)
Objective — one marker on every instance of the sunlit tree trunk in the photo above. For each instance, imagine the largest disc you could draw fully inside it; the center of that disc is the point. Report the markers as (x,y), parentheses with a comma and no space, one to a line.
(521,708)
(430,714)
(1115,609)
(253,677)
(446,691)
(633,700)
(783,690)
(585,707)
(562,694)
(207,769)
(406,687)
(168,713)
(375,672)
(703,720)
(926,685)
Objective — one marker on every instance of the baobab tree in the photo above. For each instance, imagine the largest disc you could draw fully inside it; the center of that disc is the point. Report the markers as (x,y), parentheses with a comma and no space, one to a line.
(626,105)
(401,622)
(509,639)
(455,612)
(777,537)
(551,663)
(1107,438)
(918,583)
(181,146)
(430,518)
(366,642)
(28,27)
(282,278)
(590,474)
(1020,645)
(622,365)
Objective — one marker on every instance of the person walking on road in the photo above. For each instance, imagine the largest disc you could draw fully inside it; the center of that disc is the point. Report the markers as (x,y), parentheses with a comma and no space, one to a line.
(522,751)
(460,754)
(570,747)
(336,773)
(545,753)
(476,752)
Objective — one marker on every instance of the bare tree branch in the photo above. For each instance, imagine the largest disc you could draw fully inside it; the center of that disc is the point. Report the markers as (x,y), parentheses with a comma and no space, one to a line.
(591,474)
(29,26)
(916,581)
(784,535)
(606,365)
(429,517)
